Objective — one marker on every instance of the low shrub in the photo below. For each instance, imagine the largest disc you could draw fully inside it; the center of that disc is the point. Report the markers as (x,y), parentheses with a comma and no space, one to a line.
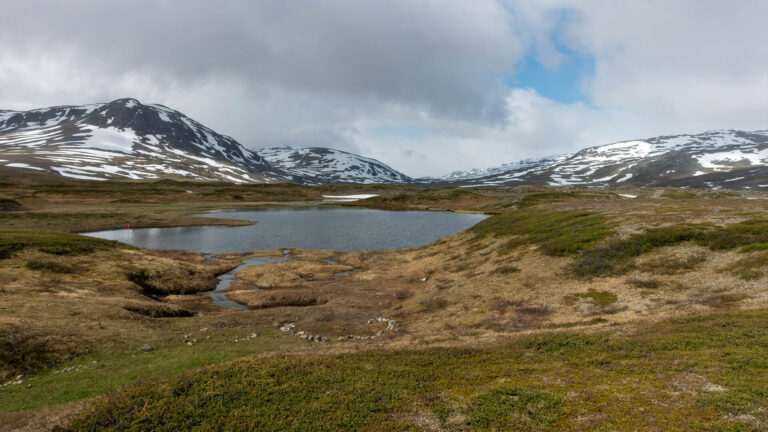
(157,310)
(23,350)
(598,298)
(557,233)
(434,304)
(52,266)
(644,283)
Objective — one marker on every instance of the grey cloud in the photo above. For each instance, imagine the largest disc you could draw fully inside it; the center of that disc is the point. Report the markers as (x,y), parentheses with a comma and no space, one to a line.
(446,56)
(336,73)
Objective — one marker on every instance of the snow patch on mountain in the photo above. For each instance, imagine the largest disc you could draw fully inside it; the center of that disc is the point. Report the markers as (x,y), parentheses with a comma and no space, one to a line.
(319,165)
(659,161)
(126,139)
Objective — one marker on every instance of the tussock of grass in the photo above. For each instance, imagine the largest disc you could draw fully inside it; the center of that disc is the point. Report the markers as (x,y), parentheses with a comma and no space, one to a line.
(52,266)
(433,304)
(644,283)
(506,269)
(750,267)
(157,310)
(672,264)
(25,349)
(598,298)
(279,298)
(172,278)
(557,233)
(55,243)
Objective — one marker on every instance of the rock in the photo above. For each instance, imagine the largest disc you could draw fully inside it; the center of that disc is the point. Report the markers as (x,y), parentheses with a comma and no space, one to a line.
(19,377)
(204,329)
(324,339)
(370,321)
(190,343)
(147,347)
(381,319)
(424,279)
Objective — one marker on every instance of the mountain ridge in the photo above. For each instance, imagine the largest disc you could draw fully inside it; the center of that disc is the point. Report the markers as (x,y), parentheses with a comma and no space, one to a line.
(125,139)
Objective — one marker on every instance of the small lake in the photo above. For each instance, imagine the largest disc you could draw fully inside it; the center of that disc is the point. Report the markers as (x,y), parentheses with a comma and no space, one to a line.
(347,229)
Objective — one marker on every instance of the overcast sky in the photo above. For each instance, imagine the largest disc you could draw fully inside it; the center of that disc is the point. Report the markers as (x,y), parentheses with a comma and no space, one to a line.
(427,86)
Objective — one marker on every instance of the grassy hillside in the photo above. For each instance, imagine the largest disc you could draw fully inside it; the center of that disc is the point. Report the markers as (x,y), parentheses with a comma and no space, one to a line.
(568,309)
(699,373)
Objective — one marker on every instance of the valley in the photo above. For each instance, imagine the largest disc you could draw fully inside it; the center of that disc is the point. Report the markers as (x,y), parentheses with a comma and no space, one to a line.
(575,308)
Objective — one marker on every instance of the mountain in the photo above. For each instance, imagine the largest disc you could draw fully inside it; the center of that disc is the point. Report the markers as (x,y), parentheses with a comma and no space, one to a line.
(318,165)
(125,139)
(715,159)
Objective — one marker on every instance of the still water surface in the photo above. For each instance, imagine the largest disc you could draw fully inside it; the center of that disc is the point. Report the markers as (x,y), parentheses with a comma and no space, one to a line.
(347,229)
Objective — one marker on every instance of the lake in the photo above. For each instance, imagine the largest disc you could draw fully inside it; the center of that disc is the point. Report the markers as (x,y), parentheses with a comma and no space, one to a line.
(347,229)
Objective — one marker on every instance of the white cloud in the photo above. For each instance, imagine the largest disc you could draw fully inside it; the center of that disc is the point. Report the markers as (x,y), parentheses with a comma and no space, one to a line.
(415,83)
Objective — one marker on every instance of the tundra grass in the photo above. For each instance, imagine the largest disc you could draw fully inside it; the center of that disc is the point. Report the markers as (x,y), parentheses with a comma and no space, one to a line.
(698,373)
(557,233)
(51,242)
(105,371)
(612,257)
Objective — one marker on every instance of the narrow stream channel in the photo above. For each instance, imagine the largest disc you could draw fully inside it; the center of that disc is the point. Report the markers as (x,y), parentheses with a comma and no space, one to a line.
(219,295)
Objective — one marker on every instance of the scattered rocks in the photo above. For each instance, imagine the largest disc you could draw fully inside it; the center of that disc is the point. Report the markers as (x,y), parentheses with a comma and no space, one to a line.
(252,336)
(147,347)
(391,326)
(189,340)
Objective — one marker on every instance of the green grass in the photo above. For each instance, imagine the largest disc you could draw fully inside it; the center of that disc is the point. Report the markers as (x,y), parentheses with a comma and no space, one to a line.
(557,233)
(115,369)
(613,256)
(599,298)
(678,195)
(697,373)
(51,242)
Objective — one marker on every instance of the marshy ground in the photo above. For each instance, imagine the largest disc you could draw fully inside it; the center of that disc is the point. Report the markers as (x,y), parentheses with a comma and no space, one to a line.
(569,309)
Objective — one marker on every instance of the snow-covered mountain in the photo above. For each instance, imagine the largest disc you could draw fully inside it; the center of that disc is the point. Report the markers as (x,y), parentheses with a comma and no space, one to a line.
(475,173)
(318,165)
(125,139)
(714,159)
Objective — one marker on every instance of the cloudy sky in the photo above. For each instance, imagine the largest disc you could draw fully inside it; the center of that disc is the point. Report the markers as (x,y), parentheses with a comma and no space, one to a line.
(427,86)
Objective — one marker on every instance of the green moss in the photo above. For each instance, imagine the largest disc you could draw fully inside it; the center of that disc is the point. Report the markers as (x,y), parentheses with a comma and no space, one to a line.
(599,298)
(557,233)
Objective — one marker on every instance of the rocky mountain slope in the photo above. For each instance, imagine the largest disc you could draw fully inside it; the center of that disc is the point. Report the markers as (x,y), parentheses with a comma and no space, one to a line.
(125,139)
(318,165)
(715,159)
